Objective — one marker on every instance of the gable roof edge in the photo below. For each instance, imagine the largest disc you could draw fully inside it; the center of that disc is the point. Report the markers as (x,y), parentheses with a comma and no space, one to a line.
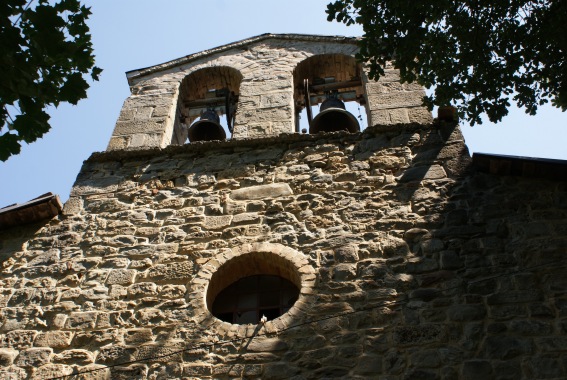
(134,74)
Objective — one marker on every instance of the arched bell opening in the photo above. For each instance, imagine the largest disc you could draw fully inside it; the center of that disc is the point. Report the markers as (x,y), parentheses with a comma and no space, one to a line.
(332,82)
(207,104)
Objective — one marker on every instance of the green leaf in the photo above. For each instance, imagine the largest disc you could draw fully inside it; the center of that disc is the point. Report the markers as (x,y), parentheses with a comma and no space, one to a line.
(46,57)
(9,146)
(475,54)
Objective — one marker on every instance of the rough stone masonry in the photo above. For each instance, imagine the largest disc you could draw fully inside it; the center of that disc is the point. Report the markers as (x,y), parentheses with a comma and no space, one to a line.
(410,264)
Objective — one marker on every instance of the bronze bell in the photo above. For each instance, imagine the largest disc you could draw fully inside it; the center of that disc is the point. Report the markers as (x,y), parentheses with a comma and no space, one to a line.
(208,128)
(334,117)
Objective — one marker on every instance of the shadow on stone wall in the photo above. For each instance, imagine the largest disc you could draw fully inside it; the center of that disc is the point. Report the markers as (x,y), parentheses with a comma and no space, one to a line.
(423,268)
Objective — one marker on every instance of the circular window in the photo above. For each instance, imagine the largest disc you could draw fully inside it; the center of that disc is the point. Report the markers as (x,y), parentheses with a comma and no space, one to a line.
(249,287)
(252,298)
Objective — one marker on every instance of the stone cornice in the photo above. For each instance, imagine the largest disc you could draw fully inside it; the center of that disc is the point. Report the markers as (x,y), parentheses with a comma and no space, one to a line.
(204,146)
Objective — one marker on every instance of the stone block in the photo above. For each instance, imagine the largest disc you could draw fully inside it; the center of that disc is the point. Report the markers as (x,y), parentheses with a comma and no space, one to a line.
(197,370)
(18,339)
(531,327)
(263,87)
(279,371)
(217,222)
(506,347)
(420,115)
(81,320)
(118,143)
(121,277)
(143,289)
(477,369)
(347,254)
(170,272)
(421,173)
(172,352)
(276,99)
(267,345)
(135,371)
(424,294)
(379,117)
(246,218)
(54,339)
(542,367)
(418,334)
(552,344)
(150,250)
(430,246)
(421,265)
(7,356)
(273,190)
(148,140)
(138,336)
(344,272)
(450,260)
(73,206)
(132,127)
(172,291)
(52,371)
(115,354)
(395,100)
(524,296)
(76,357)
(398,116)
(462,313)
(33,357)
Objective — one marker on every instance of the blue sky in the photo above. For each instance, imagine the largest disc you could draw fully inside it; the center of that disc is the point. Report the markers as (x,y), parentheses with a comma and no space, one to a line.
(131,34)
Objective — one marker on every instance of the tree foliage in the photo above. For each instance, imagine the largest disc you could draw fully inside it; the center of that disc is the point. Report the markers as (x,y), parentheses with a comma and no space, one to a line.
(46,51)
(478,55)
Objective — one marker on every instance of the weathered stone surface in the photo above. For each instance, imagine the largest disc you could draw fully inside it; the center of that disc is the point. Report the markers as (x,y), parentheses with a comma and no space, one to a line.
(246,218)
(466,312)
(173,271)
(7,356)
(51,371)
(450,260)
(81,321)
(197,370)
(407,265)
(477,369)
(115,354)
(277,371)
(417,334)
(505,347)
(217,222)
(421,173)
(267,345)
(273,190)
(33,357)
(77,356)
(18,339)
(13,373)
(121,277)
(54,339)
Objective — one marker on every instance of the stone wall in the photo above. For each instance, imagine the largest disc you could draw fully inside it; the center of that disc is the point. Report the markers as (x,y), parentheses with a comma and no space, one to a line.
(411,265)
(266,105)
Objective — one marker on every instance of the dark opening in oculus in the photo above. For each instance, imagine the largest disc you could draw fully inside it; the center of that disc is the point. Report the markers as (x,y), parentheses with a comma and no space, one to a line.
(249,299)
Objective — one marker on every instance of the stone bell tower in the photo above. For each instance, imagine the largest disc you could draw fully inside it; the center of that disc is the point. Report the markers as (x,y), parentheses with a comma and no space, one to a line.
(262,81)
(232,229)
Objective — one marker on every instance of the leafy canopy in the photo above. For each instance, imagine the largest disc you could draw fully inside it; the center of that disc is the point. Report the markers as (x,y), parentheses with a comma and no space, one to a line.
(45,52)
(477,55)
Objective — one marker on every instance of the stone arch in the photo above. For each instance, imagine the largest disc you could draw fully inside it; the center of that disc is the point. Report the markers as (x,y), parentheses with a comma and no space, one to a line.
(200,85)
(227,267)
(318,70)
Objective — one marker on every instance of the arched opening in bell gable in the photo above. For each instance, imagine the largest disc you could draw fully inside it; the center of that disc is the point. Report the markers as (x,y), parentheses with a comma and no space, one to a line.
(329,94)
(207,104)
